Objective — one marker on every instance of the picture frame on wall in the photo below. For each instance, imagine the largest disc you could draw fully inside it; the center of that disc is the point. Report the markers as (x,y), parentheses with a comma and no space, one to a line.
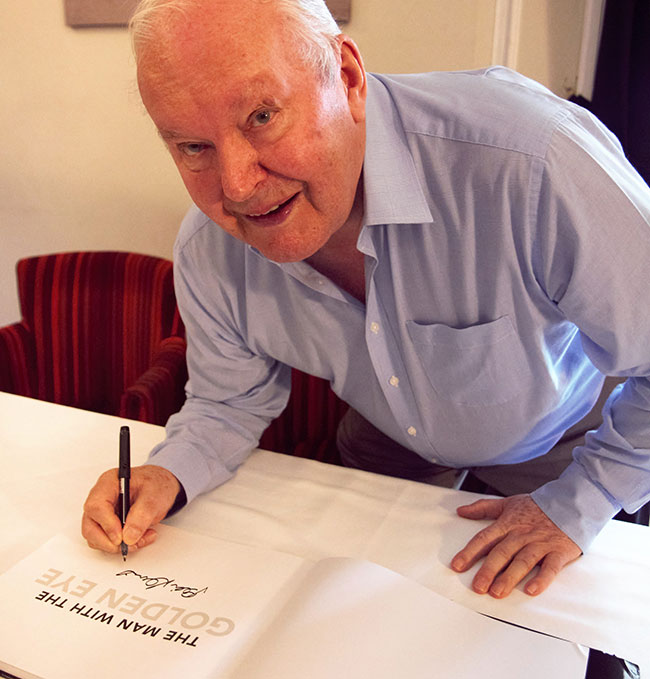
(87,13)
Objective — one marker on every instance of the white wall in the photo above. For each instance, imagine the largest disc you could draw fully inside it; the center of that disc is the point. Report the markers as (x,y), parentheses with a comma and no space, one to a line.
(82,167)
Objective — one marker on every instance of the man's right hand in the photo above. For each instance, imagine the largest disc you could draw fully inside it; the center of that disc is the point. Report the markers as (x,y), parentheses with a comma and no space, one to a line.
(153,492)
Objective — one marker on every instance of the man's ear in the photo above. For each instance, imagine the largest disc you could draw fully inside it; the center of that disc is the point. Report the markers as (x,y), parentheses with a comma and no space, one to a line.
(353,75)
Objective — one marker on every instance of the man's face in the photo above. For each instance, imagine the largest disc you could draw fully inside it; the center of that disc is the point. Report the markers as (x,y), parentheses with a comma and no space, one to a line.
(265,149)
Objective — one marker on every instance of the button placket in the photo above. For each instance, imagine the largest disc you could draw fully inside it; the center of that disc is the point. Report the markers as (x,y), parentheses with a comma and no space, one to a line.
(389,371)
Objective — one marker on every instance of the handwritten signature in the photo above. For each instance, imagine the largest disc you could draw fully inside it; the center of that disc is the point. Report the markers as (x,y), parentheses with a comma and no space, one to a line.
(151,582)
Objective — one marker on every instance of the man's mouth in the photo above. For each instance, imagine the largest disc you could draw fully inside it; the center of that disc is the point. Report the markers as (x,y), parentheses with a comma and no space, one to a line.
(274,215)
(261,214)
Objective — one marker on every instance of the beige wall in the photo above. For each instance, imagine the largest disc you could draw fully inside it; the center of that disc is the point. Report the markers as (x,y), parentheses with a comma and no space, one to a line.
(408,36)
(549,42)
(81,165)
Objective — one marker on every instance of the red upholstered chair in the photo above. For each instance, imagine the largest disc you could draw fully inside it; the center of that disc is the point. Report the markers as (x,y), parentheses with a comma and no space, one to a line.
(99,331)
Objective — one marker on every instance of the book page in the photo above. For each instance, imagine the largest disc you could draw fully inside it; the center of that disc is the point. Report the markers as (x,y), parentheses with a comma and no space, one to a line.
(184,606)
(357,620)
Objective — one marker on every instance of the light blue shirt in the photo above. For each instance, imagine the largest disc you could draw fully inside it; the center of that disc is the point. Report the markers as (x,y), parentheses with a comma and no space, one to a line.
(507,257)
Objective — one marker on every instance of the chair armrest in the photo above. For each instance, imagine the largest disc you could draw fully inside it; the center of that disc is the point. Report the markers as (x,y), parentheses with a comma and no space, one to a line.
(160,391)
(17,360)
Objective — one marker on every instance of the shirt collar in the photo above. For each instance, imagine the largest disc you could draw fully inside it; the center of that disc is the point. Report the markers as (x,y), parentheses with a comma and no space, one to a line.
(392,190)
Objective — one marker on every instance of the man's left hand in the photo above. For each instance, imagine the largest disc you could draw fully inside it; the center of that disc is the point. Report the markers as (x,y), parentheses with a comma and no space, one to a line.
(520,538)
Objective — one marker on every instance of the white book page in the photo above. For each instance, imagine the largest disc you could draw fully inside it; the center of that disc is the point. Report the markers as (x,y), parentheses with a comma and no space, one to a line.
(357,620)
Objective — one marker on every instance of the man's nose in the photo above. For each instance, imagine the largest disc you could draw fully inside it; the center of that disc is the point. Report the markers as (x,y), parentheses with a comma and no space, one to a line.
(240,170)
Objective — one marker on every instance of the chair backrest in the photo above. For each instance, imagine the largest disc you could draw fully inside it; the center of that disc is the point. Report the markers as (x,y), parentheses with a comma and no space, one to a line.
(307,426)
(97,319)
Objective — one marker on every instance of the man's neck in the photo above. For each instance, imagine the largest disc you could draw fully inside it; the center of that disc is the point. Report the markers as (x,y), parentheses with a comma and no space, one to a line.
(345,268)
(340,260)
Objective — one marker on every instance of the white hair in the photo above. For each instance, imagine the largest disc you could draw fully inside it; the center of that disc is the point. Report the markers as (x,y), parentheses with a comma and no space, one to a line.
(308,22)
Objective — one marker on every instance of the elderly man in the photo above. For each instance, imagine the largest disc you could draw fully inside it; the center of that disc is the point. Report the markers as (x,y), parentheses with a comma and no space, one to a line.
(462,255)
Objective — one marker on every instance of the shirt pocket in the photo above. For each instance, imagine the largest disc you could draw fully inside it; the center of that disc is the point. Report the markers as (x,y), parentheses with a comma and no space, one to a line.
(483,364)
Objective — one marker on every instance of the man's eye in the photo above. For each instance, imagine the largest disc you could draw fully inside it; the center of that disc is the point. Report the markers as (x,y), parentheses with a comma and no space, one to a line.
(195,155)
(262,117)
(192,149)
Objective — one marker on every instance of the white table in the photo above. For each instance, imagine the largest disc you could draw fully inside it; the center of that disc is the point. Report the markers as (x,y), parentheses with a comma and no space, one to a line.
(51,455)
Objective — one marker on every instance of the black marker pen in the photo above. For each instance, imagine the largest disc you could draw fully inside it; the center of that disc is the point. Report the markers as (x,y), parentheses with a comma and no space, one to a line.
(124,475)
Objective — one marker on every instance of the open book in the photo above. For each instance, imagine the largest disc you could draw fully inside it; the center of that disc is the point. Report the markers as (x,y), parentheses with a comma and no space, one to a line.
(197,607)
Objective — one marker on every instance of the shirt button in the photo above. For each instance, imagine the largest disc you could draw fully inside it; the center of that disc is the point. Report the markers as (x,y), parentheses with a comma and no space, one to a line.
(412,431)
(393,381)
(374,328)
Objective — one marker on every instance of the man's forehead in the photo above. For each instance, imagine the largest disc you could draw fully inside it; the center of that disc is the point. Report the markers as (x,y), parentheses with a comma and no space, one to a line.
(215,21)
(230,88)
(186,51)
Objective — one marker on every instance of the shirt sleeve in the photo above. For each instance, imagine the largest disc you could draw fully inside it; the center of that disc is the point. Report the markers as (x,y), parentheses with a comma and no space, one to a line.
(593,261)
(232,392)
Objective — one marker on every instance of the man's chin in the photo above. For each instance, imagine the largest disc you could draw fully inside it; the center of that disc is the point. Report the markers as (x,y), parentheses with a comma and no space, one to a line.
(283,256)
(285,250)
(276,243)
